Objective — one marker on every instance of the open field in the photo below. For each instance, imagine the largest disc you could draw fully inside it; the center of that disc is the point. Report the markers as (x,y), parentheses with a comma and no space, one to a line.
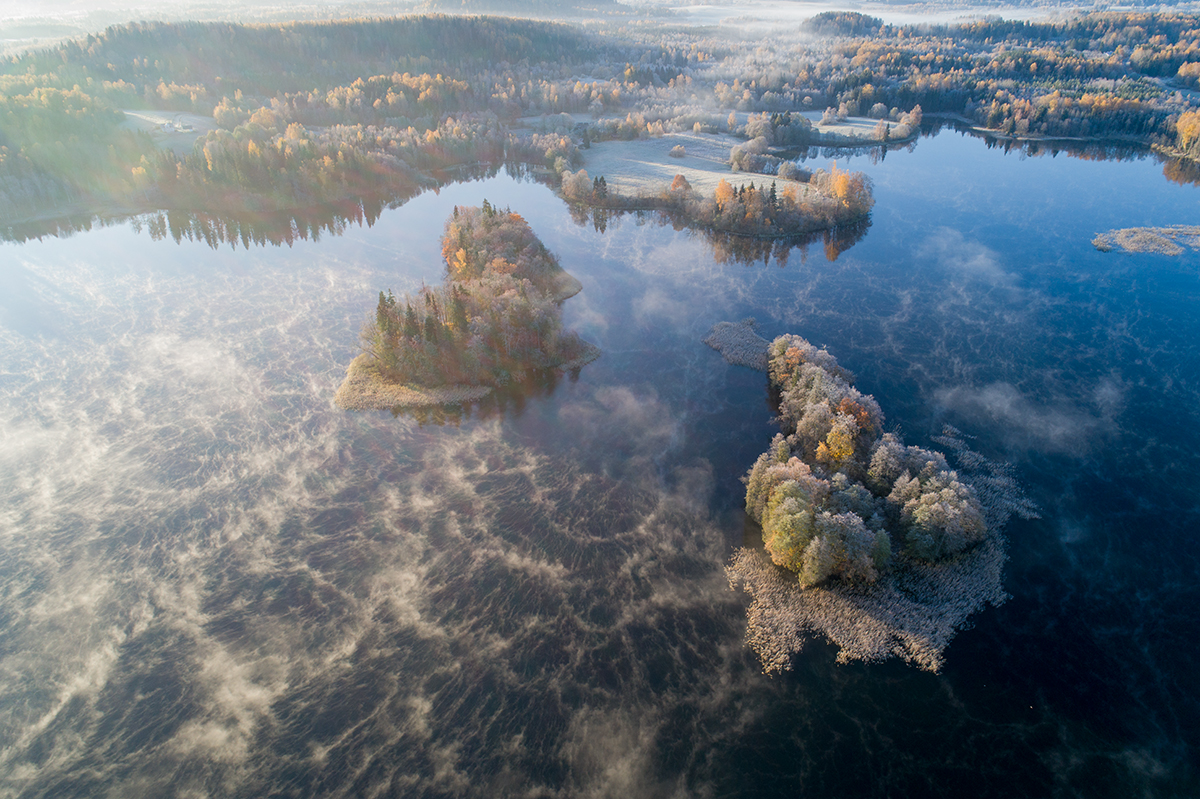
(852,131)
(170,128)
(851,128)
(643,166)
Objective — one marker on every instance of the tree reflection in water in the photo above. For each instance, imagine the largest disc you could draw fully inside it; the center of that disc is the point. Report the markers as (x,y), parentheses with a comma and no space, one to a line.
(508,401)
(731,247)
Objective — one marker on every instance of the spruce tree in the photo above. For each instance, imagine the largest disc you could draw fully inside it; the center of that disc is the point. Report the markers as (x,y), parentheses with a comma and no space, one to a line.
(412,327)
(431,329)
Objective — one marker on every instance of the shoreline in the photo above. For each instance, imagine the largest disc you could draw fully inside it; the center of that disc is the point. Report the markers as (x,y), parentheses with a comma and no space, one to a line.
(842,140)
(665,205)
(1115,138)
(364,389)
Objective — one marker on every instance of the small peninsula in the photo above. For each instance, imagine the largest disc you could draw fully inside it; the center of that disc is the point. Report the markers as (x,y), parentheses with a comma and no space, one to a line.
(496,317)
(880,547)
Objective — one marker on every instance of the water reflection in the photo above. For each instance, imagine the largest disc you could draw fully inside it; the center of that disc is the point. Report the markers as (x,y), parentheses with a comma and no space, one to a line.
(215,583)
(1176,170)
(730,247)
(1181,171)
(876,151)
(59,227)
(508,401)
(278,228)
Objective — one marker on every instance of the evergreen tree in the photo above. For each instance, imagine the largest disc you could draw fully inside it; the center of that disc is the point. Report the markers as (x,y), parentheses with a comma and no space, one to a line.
(412,327)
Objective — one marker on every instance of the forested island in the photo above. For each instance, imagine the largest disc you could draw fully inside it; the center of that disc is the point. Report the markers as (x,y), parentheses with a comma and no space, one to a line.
(262,119)
(495,318)
(888,550)
(827,200)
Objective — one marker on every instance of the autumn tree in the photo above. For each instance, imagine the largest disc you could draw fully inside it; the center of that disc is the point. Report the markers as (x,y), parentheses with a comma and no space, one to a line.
(835,499)
(1187,133)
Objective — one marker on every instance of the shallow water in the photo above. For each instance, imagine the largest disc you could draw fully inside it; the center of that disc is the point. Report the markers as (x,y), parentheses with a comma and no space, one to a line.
(213,582)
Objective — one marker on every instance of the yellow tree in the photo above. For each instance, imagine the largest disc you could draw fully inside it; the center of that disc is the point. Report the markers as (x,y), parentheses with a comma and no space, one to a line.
(1187,130)
(724,193)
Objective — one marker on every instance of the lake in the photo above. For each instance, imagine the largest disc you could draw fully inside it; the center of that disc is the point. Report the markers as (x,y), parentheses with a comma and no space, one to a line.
(215,583)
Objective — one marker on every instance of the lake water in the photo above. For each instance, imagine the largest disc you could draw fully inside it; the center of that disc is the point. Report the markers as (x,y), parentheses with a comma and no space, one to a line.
(215,583)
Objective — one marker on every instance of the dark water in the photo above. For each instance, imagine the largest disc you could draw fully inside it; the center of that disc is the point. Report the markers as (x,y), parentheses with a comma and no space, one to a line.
(214,583)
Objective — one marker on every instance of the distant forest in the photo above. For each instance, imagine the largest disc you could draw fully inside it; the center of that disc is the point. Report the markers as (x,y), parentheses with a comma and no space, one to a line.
(306,114)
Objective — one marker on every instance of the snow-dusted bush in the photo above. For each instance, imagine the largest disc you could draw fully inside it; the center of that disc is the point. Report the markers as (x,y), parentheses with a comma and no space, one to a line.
(834,495)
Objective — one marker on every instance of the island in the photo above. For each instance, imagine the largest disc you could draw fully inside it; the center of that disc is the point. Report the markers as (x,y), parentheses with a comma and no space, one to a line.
(787,208)
(880,547)
(496,317)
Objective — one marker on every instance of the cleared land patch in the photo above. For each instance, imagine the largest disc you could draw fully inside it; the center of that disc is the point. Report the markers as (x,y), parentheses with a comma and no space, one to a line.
(172,130)
(857,129)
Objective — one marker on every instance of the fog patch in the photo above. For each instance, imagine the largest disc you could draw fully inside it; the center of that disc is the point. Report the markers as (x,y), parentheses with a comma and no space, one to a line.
(952,252)
(1063,427)
(658,307)
(628,425)
(612,754)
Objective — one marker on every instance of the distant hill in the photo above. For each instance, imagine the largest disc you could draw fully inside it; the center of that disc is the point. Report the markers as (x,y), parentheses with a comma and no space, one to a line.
(543,9)
(292,56)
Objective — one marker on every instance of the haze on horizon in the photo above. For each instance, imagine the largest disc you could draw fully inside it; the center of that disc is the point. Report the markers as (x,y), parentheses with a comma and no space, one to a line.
(31,24)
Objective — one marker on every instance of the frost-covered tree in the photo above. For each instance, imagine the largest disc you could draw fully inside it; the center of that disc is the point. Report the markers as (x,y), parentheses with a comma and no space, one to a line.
(835,497)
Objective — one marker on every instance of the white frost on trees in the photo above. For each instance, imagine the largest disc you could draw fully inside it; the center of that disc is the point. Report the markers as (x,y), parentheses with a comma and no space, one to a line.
(889,549)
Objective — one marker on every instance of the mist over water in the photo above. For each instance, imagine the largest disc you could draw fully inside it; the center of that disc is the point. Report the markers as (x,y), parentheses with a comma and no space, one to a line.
(214,583)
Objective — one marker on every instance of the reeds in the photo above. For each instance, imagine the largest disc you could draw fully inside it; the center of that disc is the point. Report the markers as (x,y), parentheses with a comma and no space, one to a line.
(739,344)
(1171,240)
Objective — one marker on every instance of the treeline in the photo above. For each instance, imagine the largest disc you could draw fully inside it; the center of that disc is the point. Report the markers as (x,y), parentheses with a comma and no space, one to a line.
(839,499)
(372,100)
(496,315)
(62,147)
(842,23)
(224,57)
(1156,44)
(264,164)
(1104,74)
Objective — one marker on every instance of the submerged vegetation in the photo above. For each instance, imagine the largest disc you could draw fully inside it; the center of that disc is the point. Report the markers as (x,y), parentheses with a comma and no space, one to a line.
(863,523)
(496,317)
